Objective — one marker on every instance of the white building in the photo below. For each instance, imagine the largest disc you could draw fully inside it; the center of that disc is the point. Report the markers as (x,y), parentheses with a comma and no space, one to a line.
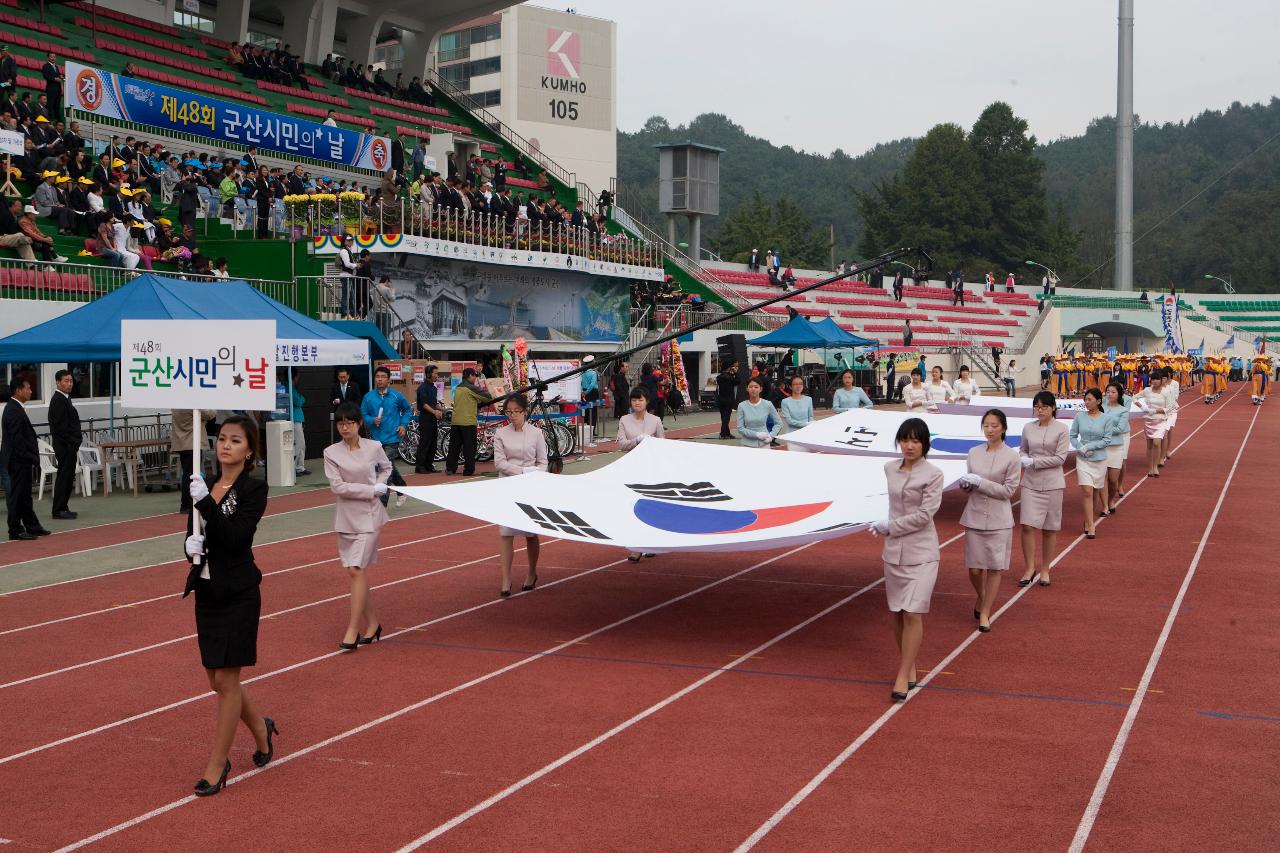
(549,76)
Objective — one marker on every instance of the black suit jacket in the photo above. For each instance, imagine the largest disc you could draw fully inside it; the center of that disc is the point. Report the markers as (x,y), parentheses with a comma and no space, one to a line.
(18,446)
(228,537)
(64,422)
(353,395)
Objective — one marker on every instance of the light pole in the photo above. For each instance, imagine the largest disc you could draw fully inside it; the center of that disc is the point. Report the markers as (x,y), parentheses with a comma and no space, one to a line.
(1226,282)
(1053,276)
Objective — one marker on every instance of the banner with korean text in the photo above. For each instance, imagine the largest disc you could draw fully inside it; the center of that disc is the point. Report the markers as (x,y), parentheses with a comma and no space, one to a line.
(317,353)
(198,364)
(102,93)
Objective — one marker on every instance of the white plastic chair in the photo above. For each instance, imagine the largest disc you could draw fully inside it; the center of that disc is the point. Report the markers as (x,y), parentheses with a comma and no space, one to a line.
(48,467)
(91,466)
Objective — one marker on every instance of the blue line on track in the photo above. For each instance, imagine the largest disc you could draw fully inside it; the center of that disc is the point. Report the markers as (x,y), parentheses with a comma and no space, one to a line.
(1223,715)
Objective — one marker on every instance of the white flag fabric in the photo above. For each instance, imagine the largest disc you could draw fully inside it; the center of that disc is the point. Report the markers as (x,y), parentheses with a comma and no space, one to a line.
(1015,407)
(668,495)
(871,432)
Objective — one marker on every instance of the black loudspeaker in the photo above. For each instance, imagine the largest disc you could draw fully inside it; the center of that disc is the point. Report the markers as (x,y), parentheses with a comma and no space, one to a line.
(734,348)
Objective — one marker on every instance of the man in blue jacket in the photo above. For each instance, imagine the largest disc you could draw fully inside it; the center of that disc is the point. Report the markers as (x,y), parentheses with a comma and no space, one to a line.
(386,412)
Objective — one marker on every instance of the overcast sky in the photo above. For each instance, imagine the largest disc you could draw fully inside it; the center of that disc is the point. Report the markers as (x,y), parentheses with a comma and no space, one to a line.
(825,75)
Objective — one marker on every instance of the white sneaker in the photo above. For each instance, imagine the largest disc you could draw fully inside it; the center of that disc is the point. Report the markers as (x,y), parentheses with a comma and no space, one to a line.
(591,444)
(60,259)
(400,499)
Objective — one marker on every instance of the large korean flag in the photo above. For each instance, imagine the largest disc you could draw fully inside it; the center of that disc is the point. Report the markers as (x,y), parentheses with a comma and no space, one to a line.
(681,496)
(871,432)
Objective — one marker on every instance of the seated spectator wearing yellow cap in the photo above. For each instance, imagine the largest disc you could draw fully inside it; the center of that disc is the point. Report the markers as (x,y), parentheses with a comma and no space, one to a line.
(41,243)
(79,202)
(53,202)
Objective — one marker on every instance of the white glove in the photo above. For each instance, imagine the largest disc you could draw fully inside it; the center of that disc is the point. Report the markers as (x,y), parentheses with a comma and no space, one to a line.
(880,528)
(641,437)
(195,545)
(527,470)
(1027,461)
(199,490)
(379,489)
(970,480)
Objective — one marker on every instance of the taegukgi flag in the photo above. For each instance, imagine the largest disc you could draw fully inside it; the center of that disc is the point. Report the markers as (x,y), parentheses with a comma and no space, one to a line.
(679,496)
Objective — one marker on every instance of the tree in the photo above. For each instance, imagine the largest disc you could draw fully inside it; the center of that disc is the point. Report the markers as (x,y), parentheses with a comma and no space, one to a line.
(1011,183)
(784,226)
(936,204)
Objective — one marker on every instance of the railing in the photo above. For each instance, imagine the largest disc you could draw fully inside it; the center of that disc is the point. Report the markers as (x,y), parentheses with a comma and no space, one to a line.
(470,228)
(69,282)
(496,125)
(379,310)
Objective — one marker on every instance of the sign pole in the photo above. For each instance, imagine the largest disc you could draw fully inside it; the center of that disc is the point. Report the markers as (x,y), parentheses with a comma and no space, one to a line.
(197,520)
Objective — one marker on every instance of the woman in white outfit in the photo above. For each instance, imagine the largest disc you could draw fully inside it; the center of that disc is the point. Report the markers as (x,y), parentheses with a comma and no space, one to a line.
(1154,405)
(937,389)
(964,388)
(635,428)
(914,395)
(797,410)
(518,449)
(357,469)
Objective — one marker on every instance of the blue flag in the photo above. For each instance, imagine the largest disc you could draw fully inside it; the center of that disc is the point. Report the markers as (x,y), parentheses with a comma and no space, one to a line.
(1231,341)
(1111,353)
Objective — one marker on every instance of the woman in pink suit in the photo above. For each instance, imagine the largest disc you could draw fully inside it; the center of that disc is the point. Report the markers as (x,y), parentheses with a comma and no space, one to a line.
(518,449)
(910,545)
(994,472)
(1043,451)
(357,469)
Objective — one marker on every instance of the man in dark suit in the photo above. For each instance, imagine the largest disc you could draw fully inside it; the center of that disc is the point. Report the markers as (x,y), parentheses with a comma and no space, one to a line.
(397,156)
(429,414)
(8,69)
(64,429)
(19,453)
(345,390)
(52,74)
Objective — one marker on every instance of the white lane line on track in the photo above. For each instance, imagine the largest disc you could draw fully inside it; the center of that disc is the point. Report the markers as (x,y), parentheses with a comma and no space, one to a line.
(308,605)
(168,562)
(386,718)
(169,596)
(866,735)
(177,532)
(1090,815)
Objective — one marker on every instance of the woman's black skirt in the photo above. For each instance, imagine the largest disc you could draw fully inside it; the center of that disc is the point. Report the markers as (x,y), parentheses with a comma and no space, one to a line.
(227,627)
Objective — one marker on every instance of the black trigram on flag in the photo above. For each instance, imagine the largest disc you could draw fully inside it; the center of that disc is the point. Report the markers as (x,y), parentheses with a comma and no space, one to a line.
(561,521)
(686,492)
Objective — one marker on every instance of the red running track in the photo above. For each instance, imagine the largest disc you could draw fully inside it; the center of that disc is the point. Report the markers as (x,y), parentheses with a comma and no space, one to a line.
(595,746)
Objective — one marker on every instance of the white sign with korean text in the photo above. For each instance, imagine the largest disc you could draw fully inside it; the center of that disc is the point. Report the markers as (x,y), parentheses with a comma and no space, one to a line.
(198,364)
(10,142)
(569,389)
(315,353)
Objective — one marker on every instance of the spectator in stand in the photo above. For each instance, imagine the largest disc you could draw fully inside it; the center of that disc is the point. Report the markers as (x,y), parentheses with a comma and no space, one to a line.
(49,202)
(753,263)
(11,234)
(1009,283)
(957,296)
(41,243)
(220,268)
(419,159)
(53,78)
(897,286)
(788,278)
(120,242)
(907,334)
(8,70)
(330,119)
(500,175)
(188,202)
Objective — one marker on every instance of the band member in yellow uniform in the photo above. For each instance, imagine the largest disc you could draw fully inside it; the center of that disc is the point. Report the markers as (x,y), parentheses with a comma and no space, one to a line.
(1062,370)
(1261,373)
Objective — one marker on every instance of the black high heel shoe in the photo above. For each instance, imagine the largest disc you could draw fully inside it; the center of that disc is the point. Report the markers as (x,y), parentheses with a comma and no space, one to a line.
(261,759)
(376,635)
(527,587)
(204,789)
(898,697)
(352,646)
(504,593)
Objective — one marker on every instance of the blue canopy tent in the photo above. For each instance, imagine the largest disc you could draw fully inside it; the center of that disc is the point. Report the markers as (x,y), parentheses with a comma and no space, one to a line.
(843,337)
(802,333)
(92,332)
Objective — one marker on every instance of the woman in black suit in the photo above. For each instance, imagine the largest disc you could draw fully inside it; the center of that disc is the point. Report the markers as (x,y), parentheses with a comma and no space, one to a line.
(228,602)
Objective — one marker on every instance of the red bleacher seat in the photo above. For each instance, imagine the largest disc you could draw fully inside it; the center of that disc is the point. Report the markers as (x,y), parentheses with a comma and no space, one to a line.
(521,182)
(125,18)
(173,62)
(411,119)
(396,102)
(1018,312)
(320,112)
(213,42)
(884,315)
(302,93)
(489,147)
(198,85)
(985,319)
(965,309)
(28,24)
(152,41)
(45,47)
(412,132)
(12,4)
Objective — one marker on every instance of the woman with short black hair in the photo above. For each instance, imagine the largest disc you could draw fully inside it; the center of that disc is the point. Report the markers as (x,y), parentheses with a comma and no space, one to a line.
(992,478)
(1043,451)
(910,545)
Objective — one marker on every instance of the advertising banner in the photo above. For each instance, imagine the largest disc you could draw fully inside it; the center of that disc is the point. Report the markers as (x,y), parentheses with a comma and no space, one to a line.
(411,245)
(440,299)
(102,93)
(680,496)
(1171,320)
(566,389)
(198,364)
(565,69)
(313,353)
(871,432)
